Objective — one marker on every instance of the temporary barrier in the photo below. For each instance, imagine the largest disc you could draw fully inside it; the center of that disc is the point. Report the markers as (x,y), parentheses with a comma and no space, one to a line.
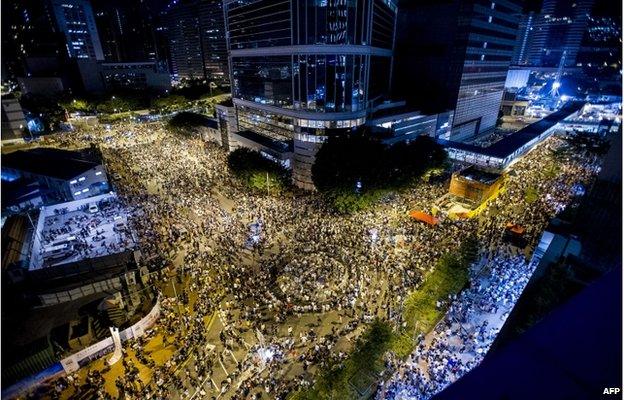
(97,350)
(117,343)
(83,357)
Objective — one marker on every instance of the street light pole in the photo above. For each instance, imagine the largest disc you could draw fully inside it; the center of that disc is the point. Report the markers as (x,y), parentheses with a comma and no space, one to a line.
(268,192)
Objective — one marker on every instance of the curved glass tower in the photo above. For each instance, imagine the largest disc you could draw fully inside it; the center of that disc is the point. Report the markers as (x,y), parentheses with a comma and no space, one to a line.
(302,69)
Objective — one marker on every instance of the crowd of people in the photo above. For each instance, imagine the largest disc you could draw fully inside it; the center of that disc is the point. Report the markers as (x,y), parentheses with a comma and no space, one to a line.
(461,340)
(192,218)
(464,336)
(70,235)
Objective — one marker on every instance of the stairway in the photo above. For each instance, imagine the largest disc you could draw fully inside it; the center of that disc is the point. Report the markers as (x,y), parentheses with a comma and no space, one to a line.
(100,332)
(116,315)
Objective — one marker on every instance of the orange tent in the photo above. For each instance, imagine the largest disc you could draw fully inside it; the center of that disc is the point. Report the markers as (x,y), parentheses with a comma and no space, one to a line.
(424,217)
(515,228)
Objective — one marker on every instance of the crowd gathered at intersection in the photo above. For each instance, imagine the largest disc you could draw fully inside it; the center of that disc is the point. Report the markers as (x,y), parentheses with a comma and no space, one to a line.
(256,321)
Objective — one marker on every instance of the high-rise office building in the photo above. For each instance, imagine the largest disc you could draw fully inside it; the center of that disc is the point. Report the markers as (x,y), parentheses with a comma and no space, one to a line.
(28,31)
(76,20)
(212,32)
(197,40)
(185,43)
(454,55)
(50,46)
(127,31)
(52,42)
(559,28)
(523,40)
(302,70)
(601,48)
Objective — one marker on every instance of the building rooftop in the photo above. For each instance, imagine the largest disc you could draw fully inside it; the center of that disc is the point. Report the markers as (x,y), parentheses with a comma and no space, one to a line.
(81,229)
(509,144)
(17,191)
(540,363)
(478,175)
(212,123)
(56,163)
(391,112)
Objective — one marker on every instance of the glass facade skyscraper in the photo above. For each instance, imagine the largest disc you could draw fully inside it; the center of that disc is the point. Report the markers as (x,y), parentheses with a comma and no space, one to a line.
(76,20)
(454,56)
(559,27)
(491,37)
(197,40)
(127,30)
(303,69)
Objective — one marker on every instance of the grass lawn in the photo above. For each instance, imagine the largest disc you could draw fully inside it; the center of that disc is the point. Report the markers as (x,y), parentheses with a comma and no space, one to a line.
(420,311)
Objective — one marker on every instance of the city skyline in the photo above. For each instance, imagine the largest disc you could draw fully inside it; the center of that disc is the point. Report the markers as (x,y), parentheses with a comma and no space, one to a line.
(311,199)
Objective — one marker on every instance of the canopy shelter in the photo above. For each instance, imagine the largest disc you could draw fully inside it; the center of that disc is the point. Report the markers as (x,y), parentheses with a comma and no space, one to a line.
(424,217)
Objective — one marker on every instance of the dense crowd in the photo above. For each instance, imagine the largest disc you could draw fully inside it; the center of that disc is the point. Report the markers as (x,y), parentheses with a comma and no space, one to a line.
(463,337)
(193,220)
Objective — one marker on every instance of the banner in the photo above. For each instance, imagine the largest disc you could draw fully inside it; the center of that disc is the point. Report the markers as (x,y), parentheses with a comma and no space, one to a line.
(76,361)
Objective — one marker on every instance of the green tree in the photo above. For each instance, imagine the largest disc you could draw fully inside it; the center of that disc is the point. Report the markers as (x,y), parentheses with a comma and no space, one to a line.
(118,104)
(335,379)
(552,170)
(257,172)
(352,170)
(469,250)
(169,103)
(45,107)
(531,195)
(77,104)
(187,123)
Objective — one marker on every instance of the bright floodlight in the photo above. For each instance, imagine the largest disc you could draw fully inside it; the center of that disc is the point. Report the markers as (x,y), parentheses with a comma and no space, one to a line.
(556,85)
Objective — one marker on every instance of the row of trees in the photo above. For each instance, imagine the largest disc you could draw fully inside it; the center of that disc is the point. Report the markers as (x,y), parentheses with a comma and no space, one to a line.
(349,379)
(130,100)
(187,123)
(420,310)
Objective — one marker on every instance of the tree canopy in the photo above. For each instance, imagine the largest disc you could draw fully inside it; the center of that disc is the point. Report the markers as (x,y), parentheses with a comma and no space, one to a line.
(357,168)
(187,123)
(345,160)
(44,107)
(257,171)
